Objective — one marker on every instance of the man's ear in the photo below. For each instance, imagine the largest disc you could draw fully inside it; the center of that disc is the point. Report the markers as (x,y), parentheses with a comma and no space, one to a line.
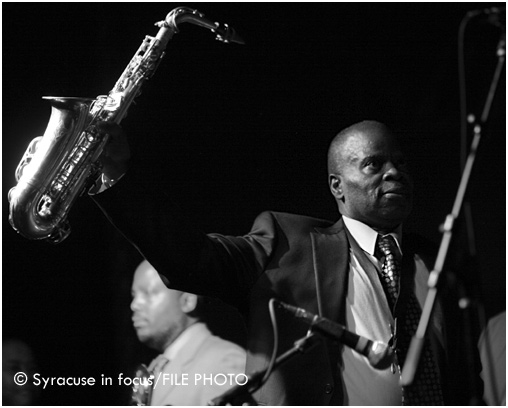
(188,302)
(335,183)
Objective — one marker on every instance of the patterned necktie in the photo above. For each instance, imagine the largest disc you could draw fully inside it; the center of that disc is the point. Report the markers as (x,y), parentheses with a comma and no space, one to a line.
(426,389)
(390,271)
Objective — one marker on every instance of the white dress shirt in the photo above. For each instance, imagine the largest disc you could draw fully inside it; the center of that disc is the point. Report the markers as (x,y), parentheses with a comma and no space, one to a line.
(368,315)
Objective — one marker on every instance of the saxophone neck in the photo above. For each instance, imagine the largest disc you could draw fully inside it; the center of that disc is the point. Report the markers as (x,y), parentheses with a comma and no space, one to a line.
(169,26)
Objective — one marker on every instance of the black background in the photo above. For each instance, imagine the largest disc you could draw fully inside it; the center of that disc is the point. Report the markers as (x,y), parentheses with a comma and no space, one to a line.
(233,130)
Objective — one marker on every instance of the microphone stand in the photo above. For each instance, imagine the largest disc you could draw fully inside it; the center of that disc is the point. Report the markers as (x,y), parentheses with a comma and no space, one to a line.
(417,342)
(239,393)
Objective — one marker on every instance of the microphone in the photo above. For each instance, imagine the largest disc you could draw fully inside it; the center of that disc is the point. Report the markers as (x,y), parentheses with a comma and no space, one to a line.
(379,355)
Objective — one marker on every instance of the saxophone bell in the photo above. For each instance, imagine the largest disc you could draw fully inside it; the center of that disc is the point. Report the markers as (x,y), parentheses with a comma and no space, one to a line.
(39,202)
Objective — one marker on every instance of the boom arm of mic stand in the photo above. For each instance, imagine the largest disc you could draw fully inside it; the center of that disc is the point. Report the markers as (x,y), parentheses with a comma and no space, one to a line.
(417,342)
(237,395)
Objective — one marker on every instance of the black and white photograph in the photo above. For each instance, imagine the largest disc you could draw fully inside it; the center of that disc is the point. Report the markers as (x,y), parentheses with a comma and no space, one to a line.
(266,203)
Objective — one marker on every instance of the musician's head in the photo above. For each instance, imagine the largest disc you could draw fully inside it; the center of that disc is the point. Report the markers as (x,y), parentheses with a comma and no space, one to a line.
(368,175)
(18,357)
(160,314)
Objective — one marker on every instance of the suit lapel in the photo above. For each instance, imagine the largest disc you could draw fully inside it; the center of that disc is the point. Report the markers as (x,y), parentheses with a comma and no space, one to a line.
(330,250)
(177,366)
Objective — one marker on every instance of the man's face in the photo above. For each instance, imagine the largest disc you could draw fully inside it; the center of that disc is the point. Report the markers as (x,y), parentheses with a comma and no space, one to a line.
(157,314)
(16,357)
(376,186)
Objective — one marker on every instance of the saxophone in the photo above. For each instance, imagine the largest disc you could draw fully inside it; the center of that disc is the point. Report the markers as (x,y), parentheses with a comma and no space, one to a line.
(63,163)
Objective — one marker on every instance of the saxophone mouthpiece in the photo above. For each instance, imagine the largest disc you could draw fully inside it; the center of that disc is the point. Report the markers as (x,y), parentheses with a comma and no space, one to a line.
(227,34)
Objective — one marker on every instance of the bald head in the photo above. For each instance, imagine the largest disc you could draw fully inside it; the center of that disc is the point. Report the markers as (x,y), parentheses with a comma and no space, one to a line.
(339,149)
(368,176)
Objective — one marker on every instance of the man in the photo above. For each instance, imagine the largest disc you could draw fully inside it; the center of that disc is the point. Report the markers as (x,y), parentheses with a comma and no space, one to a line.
(168,321)
(18,357)
(330,269)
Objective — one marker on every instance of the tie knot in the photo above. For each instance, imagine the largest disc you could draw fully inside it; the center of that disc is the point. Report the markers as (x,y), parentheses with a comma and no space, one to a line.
(387,245)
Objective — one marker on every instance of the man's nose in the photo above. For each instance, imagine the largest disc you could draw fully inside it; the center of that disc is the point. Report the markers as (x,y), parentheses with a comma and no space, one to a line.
(135,304)
(391,172)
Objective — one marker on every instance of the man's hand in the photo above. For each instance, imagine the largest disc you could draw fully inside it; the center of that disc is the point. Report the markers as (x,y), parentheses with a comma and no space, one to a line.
(115,156)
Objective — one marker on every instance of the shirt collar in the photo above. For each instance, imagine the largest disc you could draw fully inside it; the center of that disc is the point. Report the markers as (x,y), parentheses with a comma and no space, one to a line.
(366,237)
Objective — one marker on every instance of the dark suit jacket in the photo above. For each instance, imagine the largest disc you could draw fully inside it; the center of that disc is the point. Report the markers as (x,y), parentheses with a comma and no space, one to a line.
(300,260)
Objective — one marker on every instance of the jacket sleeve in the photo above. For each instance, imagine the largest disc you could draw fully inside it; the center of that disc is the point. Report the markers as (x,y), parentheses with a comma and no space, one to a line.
(186,258)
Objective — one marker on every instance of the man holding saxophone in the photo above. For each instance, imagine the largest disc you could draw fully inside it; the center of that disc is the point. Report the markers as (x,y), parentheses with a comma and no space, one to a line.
(362,272)
(333,270)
